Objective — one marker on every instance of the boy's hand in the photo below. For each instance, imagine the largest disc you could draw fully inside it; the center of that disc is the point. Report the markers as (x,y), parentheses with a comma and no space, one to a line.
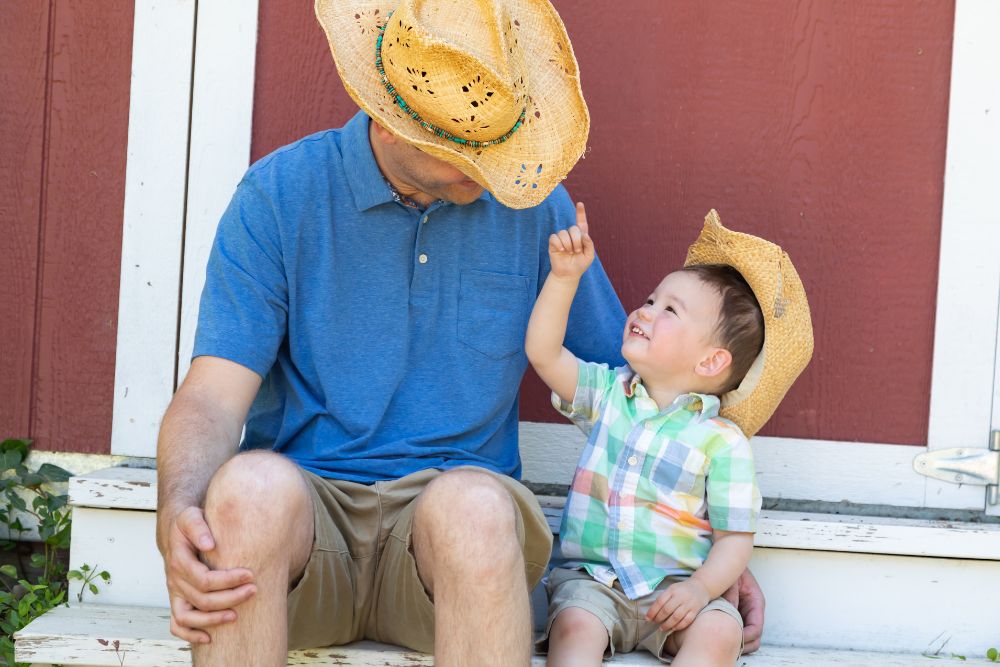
(678,606)
(571,250)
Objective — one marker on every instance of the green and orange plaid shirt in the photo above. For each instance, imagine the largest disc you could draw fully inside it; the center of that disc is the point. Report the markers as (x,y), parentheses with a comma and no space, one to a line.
(651,485)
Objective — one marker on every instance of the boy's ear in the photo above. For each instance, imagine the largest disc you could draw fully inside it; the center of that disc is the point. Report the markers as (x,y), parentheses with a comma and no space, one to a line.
(714,363)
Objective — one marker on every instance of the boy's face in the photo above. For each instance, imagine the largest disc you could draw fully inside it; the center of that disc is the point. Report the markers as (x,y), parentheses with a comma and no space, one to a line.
(673,331)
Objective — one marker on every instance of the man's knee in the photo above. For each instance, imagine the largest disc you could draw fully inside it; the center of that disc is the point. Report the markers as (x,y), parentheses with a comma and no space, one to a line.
(465,511)
(258,488)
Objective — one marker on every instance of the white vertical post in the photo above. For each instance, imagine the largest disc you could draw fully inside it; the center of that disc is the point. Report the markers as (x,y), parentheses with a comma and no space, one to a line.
(221,117)
(155,173)
(965,333)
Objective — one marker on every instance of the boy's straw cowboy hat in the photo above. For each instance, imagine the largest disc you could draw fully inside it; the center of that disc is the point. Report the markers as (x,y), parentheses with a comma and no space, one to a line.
(490,86)
(788,333)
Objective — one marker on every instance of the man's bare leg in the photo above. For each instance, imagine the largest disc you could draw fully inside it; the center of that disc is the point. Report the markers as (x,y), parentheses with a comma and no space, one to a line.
(469,558)
(259,510)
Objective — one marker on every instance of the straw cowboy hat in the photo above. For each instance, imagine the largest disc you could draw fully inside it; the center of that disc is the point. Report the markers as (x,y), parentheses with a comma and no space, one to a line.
(489,86)
(788,333)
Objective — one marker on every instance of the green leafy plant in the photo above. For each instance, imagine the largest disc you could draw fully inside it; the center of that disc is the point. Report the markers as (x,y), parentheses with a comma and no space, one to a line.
(87,575)
(993,655)
(27,593)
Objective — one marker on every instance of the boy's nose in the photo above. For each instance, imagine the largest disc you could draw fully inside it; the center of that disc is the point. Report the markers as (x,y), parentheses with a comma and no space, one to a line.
(644,312)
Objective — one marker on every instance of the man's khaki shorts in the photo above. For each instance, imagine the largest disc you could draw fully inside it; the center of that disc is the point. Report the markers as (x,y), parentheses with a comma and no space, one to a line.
(624,619)
(361,580)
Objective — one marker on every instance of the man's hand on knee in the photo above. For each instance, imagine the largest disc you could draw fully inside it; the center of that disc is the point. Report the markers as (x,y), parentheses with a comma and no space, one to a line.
(747,596)
(200,597)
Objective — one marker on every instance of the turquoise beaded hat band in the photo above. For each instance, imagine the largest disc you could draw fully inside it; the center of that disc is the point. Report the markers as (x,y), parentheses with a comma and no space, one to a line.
(411,112)
(488,86)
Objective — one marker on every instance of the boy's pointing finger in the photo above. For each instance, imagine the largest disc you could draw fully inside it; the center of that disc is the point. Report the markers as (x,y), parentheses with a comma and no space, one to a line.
(581,218)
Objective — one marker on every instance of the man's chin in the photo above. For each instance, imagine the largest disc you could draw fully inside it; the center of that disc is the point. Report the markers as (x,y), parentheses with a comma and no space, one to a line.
(463,193)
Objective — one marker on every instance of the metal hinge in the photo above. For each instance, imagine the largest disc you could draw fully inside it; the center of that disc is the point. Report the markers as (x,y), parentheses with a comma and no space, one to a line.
(965,465)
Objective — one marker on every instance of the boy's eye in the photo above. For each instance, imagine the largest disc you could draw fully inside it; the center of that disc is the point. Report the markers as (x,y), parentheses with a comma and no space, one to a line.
(649,302)
(670,309)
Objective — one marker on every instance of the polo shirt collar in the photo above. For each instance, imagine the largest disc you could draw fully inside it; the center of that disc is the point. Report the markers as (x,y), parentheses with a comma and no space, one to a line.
(368,186)
(706,405)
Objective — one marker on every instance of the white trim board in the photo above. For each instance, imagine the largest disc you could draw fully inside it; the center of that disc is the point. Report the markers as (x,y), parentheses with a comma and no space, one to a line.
(823,470)
(155,173)
(67,635)
(221,119)
(135,489)
(965,335)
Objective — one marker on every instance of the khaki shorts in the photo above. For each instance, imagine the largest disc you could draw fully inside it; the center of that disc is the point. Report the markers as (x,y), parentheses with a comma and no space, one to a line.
(361,580)
(624,619)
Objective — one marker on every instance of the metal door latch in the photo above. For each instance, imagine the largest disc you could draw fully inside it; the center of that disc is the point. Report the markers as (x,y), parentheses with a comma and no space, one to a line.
(965,465)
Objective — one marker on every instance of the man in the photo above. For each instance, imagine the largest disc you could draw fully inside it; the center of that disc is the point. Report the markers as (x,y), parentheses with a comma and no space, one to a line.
(360,279)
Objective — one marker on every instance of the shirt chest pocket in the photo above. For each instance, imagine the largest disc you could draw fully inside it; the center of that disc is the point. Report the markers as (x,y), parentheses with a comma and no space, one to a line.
(680,468)
(492,312)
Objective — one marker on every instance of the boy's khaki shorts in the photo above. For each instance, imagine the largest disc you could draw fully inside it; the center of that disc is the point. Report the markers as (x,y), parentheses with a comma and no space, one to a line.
(361,579)
(624,619)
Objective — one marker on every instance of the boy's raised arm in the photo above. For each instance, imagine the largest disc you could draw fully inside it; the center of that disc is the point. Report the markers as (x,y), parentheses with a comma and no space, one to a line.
(571,252)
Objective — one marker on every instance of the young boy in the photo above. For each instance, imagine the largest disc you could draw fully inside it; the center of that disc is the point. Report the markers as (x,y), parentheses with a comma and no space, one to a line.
(660,517)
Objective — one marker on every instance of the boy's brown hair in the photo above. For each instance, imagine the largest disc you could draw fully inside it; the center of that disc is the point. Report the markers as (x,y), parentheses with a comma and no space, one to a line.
(741,323)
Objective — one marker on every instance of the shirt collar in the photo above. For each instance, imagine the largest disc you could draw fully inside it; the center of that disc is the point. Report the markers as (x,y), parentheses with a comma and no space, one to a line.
(363,175)
(706,405)
(368,185)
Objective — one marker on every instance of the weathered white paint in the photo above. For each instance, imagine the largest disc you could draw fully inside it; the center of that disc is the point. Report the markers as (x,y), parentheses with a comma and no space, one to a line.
(123,542)
(69,636)
(221,115)
(118,488)
(875,602)
(786,468)
(858,534)
(965,336)
(155,173)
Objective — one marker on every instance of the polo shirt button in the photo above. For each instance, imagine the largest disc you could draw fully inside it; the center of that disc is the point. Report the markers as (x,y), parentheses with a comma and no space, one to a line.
(621,525)
(632,460)
(423,220)
(422,259)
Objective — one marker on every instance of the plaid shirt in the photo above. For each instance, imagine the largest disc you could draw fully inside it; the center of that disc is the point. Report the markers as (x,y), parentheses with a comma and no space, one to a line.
(651,484)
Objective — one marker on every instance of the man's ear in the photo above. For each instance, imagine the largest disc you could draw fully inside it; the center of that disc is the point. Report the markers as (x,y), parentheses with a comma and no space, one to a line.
(383,135)
(715,363)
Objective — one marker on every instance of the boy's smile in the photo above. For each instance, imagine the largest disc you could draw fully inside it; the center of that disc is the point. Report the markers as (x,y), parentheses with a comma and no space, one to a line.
(666,338)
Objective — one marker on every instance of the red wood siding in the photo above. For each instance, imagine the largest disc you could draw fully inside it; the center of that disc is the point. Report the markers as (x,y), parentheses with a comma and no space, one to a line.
(820,126)
(63,141)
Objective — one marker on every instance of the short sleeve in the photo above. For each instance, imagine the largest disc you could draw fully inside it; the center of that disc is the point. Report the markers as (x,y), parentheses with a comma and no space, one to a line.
(733,498)
(592,386)
(244,305)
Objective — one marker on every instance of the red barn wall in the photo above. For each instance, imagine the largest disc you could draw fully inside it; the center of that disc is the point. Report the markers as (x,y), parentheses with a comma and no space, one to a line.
(820,126)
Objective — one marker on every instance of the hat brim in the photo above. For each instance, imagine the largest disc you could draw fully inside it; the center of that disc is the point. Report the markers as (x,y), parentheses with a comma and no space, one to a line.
(788,332)
(523,170)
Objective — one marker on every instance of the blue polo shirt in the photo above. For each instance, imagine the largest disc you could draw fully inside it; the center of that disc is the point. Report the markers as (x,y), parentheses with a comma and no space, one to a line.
(389,340)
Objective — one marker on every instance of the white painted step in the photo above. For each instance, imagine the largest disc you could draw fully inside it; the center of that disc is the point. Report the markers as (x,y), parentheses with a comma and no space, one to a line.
(99,635)
(834,581)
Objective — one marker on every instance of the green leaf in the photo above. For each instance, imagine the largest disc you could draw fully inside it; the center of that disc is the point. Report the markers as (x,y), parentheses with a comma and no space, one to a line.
(10,460)
(53,473)
(93,588)
(993,655)
(9,570)
(15,445)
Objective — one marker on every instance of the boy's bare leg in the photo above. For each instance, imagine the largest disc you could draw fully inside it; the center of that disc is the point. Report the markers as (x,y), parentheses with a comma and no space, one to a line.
(469,559)
(577,639)
(712,640)
(260,512)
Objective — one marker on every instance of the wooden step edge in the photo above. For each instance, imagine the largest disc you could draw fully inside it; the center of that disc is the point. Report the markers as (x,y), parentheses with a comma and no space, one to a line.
(115,488)
(135,488)
(101,635)
(857,534)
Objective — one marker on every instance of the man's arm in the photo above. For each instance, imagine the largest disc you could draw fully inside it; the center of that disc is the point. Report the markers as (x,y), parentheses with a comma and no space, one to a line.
(200,432)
